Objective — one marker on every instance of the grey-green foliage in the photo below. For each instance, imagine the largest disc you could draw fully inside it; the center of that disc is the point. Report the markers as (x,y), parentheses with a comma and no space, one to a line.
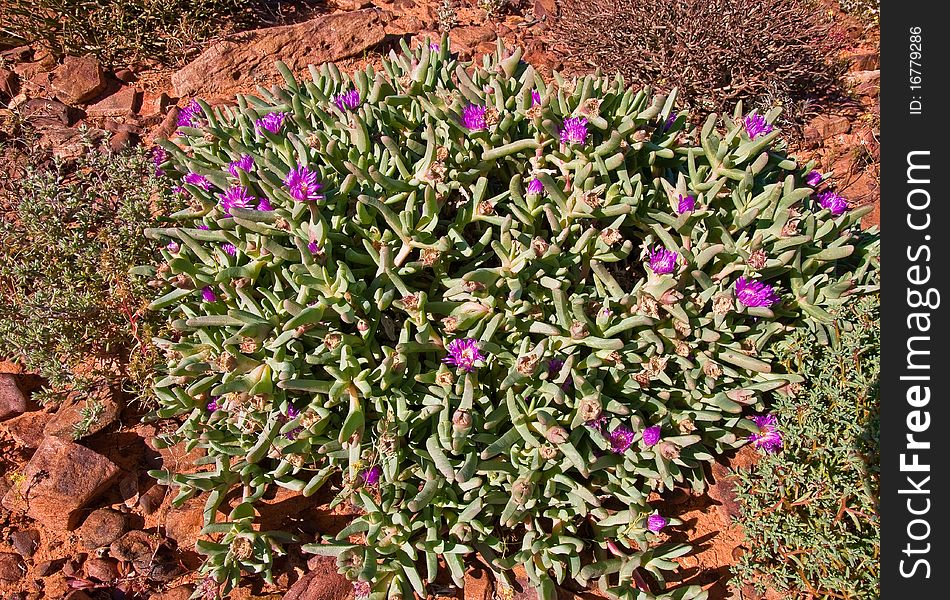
(341,308)
(810,512)
(66,246)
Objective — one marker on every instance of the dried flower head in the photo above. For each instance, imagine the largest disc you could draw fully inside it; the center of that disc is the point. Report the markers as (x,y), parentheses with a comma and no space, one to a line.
(722,304)
(757,260)
(241,548)
(590,408)
(332,340)
(712,370)
(590,108)
(592,199)
(579,330)
(527,365)
(462,419)
(610,236)
(429,256)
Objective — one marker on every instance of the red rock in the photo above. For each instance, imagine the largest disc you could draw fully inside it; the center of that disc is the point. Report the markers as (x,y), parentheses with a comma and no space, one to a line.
(27,70)
(465,39)
(545,8)
(64,422)
(123,103)
(103,569)
(17,55)
(67,143)
(60,479)
(152,499)
(323,582)
(247,57)
(78,79)
(349,4)
(25,542)
(138,548)
(125,75)
(12,401)
(865,62)
(830,126)
(11,567)
(9,83)
(102,527)
(47,113)
(184,523)
(27,429)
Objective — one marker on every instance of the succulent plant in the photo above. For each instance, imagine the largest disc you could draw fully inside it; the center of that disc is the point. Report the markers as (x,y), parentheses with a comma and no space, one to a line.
(469,295)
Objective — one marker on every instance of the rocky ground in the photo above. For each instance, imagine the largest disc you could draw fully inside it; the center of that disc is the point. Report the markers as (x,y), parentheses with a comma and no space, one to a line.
(81,518)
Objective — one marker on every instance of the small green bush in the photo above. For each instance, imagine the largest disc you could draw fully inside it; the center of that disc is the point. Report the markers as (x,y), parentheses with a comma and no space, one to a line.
(605,285)
(69,308)
(810,512)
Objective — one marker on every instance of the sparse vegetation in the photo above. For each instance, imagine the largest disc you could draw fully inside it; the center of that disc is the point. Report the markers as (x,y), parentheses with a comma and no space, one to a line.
(69,308)
(811,512)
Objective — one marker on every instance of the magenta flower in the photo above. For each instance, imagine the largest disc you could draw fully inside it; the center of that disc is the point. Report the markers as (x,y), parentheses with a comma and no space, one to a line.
(574,131)
(173,247)
(651,435)
(669,122)
(190,115)
(463,353)
(535,186)
(314,248)
(813,178)
(235,196)
(303,185)
(245,163)
(229,249)
(197,180)
(213,405)
(208,294)
(686,204)
(755,125)
(205,227)
(535,97)
(434,47)
(179,190)
(347,100)
(264,204)
(769,437)
(473,117)
(272,121)
(833,202)
(656,522)
(663,261)
(159,155)
(620,439)
(292,413)
(371,476)
(755,293)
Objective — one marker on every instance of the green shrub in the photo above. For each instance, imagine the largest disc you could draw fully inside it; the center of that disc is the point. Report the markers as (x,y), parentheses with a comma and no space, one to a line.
(69,308)
(714,53)
(473,211)
(811,512)
(121,32)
